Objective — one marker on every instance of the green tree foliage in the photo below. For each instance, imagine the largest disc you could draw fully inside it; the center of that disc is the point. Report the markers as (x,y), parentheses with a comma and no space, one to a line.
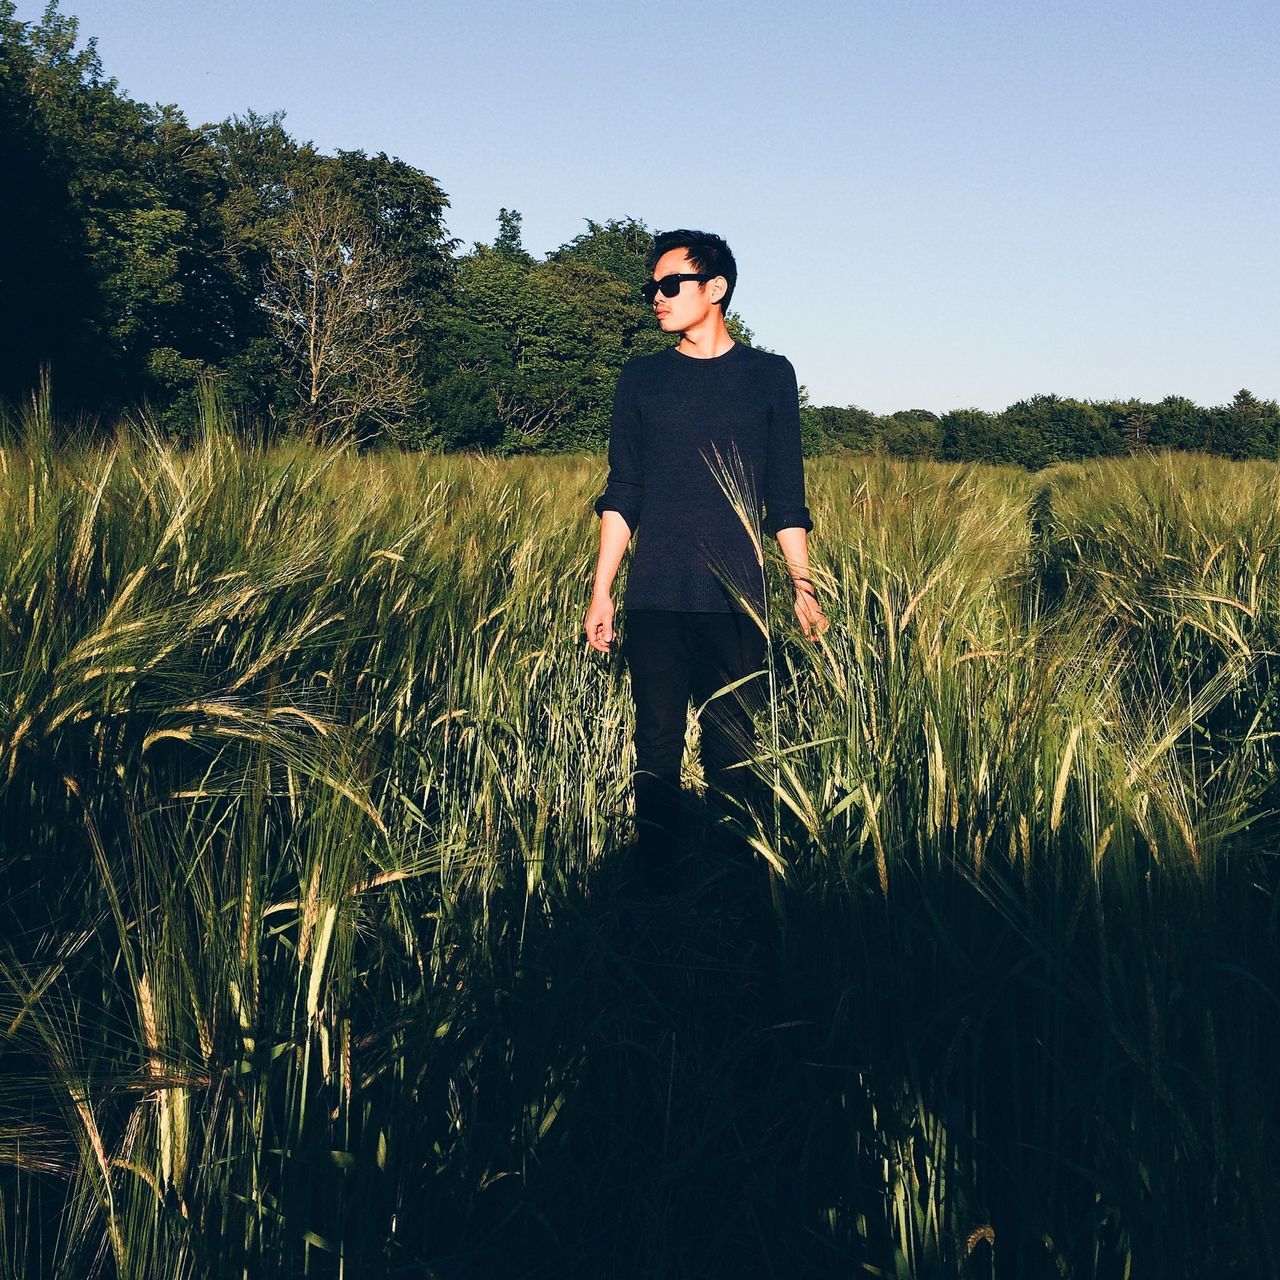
(1246,428)
(530,350)
(152,238)
(1048,428)
(510,239)
(263,167)
(1178,423)
(50,97)
(827,428)
(1044,429)
(976,436)
(142,195)
(911,433)
(48,296)
(405,209)
(618,247)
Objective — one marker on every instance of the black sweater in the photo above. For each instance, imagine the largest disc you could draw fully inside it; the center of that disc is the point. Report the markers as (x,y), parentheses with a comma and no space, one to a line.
(671,414)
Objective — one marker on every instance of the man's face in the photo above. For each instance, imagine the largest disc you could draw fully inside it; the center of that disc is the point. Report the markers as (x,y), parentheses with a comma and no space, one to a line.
(695,301)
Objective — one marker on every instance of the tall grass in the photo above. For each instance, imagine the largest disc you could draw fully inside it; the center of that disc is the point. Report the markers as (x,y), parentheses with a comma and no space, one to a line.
(1056,826)
(316,959)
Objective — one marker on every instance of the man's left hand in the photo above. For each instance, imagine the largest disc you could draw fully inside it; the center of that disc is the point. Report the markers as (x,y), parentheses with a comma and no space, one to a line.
(813,622)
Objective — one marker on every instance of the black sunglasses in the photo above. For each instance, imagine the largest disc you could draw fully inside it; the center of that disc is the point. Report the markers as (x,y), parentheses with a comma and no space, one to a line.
(670,285)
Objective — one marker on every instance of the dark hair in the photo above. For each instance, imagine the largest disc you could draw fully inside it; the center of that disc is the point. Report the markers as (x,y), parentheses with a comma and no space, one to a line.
(709,255)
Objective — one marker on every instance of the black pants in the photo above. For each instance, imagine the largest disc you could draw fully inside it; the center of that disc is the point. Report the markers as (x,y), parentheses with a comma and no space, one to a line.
(673,657)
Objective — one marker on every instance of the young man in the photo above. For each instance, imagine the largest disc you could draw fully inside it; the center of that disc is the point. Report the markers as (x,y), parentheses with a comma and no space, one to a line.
(685,420)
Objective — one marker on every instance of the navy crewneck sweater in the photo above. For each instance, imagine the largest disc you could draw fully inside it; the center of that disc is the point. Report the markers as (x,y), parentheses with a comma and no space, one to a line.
(672,413)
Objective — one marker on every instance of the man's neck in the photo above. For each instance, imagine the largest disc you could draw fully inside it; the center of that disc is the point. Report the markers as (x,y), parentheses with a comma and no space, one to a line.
(706,340)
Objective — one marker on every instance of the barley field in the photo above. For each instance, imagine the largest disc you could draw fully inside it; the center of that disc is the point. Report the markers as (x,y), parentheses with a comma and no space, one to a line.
(319,955)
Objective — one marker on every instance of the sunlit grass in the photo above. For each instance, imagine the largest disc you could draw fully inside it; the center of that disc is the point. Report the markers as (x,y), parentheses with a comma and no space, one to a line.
(313,792)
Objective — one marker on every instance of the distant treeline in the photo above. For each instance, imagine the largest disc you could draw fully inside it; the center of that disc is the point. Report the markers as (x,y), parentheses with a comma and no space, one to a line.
(1044,429)
(149,263)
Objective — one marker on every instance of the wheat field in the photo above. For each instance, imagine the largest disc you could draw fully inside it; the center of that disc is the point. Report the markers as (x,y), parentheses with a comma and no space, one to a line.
(318,958)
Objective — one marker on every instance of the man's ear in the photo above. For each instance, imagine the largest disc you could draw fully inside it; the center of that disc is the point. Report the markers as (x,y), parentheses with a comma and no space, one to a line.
(719,287)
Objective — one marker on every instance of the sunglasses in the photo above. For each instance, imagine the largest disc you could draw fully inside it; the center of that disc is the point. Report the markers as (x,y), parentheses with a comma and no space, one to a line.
(670,285)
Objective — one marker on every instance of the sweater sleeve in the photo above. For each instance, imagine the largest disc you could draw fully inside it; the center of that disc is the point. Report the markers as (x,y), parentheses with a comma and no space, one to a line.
(783,489)
(624,488)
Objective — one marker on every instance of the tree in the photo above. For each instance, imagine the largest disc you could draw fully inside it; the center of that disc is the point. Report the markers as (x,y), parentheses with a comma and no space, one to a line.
(405,207)
(1246,428)
(62,135)
(850,427)
(1178,423)
(911,433)
(337,300)
(1134,420)
(617,247)
(1049,429)
(509,242)
(529,354)
(131,280)
(973,435)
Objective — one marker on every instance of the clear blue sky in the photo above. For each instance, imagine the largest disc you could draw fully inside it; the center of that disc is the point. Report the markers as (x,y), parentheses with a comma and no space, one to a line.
(933,203)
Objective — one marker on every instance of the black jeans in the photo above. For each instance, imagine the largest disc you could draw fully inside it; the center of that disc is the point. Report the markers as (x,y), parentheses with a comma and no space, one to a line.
(672,657)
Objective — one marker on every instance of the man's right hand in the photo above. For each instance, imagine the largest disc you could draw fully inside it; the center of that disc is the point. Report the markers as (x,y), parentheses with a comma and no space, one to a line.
(599,623)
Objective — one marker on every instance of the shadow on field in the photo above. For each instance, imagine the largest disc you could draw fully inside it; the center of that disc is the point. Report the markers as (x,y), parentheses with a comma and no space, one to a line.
(724,1076)
(675,1156)
(680,1143)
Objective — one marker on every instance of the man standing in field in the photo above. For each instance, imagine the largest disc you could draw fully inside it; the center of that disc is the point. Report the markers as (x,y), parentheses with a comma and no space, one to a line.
(686,420)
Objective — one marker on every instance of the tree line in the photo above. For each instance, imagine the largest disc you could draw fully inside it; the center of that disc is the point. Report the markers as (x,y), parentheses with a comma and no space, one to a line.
(1047,428)
(149,260)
